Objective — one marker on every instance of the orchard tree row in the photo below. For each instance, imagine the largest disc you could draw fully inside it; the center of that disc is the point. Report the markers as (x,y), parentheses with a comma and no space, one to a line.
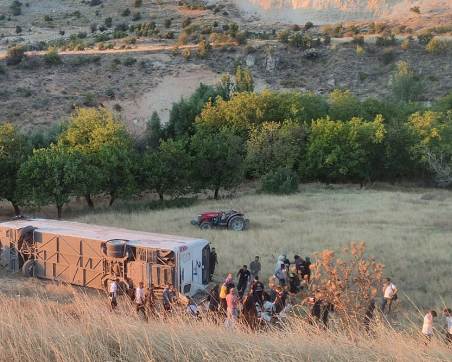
(221,135)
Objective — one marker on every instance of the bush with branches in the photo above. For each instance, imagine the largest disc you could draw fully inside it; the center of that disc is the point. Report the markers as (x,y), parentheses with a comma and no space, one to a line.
(349,284)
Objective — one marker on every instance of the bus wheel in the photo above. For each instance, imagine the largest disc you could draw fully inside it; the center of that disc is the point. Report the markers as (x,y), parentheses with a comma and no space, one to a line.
(28,269)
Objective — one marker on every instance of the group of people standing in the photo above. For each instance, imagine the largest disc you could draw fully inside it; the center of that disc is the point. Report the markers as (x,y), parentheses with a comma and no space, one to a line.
(145,303)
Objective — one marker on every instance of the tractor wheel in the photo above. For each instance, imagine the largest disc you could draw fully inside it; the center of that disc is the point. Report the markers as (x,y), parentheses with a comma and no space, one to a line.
(237,223)
(28,269)
(205,225)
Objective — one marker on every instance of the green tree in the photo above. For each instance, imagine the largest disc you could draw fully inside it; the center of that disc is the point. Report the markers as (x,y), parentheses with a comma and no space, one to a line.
(282,181)
(406,84)
(12,154)
(154,130)
(92,132)
(244,80)
(53,176)
(273,145)
(219,158)
(341,150)
(432,132)
(344,106)
(246,110)
(184,112)
(15,54)
(116,167)
(167,169)
(225,87)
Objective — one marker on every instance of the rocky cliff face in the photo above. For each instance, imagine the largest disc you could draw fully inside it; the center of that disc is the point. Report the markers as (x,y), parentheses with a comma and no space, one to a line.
(327,11)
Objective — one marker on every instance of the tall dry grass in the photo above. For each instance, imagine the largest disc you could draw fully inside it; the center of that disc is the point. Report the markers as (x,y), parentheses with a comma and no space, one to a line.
(408,231)
(38,328)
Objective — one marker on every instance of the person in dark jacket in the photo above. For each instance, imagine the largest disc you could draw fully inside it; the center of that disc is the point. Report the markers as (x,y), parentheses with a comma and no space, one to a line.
(150,301)
(369,314)
(214,298)
(213,261)
(167,298)
(257,291)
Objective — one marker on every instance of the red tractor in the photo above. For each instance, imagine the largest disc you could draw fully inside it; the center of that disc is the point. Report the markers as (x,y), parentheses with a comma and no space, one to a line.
(234,220)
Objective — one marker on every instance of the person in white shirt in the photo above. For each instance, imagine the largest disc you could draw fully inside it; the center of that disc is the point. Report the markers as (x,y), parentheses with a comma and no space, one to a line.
(448,325)
(389,292)
(427,328)
(113,294)
(139,299)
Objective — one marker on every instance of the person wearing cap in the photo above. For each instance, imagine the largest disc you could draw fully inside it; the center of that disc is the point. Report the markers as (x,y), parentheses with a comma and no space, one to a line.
(225,288)
(139,299)
(113,294)
(255,267)
(150,300)
(167,298)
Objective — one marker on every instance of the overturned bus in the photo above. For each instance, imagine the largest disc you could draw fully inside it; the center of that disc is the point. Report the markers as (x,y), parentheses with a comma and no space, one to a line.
(92,255)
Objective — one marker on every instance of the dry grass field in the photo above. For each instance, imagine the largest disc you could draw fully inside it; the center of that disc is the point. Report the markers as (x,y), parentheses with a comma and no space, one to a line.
(407,230)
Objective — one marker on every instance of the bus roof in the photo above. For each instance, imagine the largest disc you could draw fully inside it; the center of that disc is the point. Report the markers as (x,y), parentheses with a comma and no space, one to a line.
(105,233)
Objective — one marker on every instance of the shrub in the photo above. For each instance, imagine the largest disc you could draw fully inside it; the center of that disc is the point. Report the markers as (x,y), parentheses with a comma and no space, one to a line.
(18,29)
(15,54)
(52,57)
(48,18)
(186,53)
(283,181)
(326,29)
(387,38)
(186,22)
(425,37)
(108,22)
(169,35)
(204,48)
(240,38)
(136,16)
(117,107)
(93,27)
(137,3)
(407,43)
(308,25)
(129,61)
(79,47)
(327,40)
(387,56)
(15,8)
(125,12)
(130,41)
(167,23)
(415,9)
(2,68)
(110,93)
(348,283)
(358,39)
(95,2)
(295,27)
(101,37)
(359,50)
(183,38)
(121,27)
(283,37)
(406,84)
(436,46)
